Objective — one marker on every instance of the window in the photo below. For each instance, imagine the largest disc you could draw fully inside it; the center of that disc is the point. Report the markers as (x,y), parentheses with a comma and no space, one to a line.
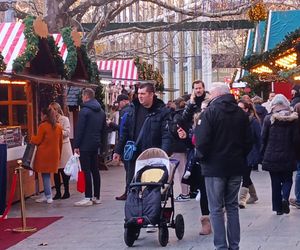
(14,106)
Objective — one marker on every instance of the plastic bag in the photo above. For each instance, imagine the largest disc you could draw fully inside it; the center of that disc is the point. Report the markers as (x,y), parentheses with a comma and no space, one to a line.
(72,167)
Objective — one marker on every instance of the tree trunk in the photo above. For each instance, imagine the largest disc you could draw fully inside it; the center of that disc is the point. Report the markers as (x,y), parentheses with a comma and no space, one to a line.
(56,19)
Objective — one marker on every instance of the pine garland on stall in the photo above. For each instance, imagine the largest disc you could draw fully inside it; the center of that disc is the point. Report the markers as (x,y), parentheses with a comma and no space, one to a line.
(71,61)
(32,47)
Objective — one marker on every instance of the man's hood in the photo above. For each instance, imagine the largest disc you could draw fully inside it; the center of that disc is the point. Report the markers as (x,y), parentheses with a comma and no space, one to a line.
(226,103)
(92,104)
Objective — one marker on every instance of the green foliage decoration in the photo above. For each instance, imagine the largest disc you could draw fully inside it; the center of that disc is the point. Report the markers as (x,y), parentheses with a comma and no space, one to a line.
(270,56)
(71,61)
(93,73)
(2,64)
(146,72)
(32,47)
(56,55)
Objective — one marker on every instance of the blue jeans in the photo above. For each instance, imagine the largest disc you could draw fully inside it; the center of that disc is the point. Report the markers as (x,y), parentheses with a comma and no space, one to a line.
(223,192)
(297,183)
(281,187)
(47,185)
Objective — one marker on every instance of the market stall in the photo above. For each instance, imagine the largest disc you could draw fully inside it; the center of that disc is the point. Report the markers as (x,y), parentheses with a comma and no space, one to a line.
(31,80)
(272,52)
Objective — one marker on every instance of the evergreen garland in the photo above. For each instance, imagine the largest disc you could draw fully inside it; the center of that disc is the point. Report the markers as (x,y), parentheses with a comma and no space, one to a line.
(270,56)
(56,55)
(2,64)
(93,73)
(32,47)
(146,72)
(71,61)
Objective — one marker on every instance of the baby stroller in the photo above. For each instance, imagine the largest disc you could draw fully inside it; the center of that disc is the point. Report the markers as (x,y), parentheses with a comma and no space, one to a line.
(150,200)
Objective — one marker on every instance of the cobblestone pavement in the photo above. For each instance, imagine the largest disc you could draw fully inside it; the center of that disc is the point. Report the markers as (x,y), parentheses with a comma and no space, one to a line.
(101,226)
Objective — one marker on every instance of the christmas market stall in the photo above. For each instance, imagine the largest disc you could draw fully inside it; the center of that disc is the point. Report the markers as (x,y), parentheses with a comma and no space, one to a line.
(122,76)
(272,53)
(80,71)
(31,80)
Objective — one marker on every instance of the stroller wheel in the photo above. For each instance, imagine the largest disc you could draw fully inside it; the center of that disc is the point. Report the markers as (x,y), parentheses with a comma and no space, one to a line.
(163,235)
(137,233)
(129,236)
(179,226)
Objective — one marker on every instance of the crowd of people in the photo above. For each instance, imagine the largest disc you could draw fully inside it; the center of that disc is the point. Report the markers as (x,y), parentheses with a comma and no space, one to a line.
(217,139)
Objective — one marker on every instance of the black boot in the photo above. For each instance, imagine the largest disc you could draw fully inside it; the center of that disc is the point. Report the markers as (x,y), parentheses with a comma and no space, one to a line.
(66,185)
(66,194)
(57,195)
(57,187)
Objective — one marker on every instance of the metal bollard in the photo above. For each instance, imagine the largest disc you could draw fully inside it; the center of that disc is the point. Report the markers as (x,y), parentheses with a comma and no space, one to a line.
(24,228)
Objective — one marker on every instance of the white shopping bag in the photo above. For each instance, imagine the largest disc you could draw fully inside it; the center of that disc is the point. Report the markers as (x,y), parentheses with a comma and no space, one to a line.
(72,167)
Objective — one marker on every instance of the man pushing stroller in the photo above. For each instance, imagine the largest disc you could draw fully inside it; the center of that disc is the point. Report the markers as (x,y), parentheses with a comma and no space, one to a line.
(146,126)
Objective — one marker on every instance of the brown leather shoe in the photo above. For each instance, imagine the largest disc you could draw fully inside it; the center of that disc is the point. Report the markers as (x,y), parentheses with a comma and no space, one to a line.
(123,197)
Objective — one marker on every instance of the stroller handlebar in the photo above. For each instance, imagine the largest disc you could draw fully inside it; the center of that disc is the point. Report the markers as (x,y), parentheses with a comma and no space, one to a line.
(139,184)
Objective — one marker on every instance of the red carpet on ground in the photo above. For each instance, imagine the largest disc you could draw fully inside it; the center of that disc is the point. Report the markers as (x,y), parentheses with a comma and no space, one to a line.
(9,238)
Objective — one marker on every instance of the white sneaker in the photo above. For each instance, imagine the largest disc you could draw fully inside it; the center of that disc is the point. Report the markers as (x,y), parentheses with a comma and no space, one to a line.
(49,201)
(84,203)
(96,201)
(41,199)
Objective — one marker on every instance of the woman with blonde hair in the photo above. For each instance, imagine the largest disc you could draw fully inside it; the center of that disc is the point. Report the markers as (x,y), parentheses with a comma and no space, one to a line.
(65,154)
(49,145)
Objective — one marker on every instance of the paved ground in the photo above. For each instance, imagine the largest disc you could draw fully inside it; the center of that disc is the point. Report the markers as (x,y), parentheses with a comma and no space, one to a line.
(101,226)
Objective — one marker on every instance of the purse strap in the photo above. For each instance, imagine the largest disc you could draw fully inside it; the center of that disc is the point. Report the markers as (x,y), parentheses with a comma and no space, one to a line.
(141,132)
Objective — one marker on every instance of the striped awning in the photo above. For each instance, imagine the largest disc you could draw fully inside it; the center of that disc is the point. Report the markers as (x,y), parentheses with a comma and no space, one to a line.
(62,47)
(12,42)
(124,72)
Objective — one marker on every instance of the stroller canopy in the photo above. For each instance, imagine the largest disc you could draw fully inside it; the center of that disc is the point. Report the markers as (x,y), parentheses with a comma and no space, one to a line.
(152,156)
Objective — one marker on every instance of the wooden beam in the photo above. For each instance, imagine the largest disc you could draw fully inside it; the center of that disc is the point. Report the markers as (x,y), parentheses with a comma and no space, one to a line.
(187,26)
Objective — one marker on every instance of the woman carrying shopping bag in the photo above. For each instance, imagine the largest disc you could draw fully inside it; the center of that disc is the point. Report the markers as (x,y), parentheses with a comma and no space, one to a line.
(49,146)
(65,154)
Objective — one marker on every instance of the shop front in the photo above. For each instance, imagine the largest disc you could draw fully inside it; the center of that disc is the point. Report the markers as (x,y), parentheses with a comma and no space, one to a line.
(33,67)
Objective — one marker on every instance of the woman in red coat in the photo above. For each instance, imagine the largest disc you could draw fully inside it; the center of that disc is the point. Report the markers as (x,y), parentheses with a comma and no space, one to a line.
(49,145)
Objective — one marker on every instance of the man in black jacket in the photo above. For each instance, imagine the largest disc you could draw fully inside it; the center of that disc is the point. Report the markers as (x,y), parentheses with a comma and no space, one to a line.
(155,130)
(194,104)
(89,137)
(125,109)
(223,140)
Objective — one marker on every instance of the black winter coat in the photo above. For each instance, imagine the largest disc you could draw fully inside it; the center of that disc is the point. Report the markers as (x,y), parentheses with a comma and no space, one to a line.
(223,138)
(156,133)
(91,127)
(280,135)
(178,145)
(192,108)
(254,157)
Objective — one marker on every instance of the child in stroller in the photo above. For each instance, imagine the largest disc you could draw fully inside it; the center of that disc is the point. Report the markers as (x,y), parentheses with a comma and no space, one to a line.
(148,196)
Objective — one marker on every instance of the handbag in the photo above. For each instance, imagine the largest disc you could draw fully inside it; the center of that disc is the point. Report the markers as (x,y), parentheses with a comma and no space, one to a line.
(81,182)
(131,146)
(29,156)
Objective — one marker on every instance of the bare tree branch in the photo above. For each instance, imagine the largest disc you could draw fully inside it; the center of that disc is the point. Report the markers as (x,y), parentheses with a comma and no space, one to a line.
(189,12)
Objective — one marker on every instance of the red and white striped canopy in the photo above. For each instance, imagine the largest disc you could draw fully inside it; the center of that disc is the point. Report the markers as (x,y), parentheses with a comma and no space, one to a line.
(13,42)
(123,71)
(62,47)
